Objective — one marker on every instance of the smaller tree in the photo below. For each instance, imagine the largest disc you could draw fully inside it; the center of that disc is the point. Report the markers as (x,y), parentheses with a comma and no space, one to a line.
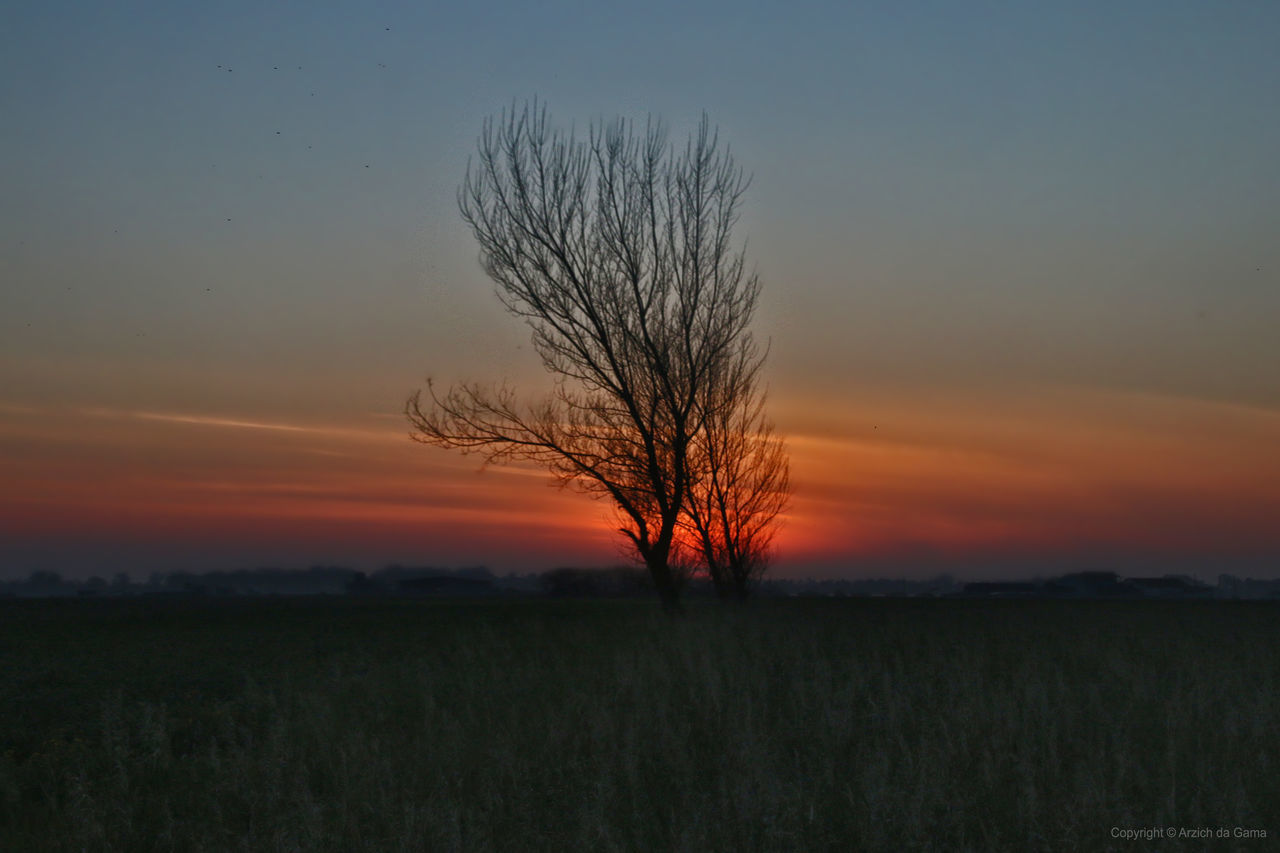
(743,486)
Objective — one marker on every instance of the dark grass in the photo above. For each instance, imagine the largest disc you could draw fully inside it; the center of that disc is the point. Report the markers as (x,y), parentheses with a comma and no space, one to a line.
(347,724)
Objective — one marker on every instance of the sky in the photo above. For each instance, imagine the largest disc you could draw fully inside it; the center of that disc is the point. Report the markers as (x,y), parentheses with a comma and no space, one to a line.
(1021,268)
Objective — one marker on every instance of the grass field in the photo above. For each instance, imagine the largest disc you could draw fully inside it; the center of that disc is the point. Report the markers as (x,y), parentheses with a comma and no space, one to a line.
(880,724)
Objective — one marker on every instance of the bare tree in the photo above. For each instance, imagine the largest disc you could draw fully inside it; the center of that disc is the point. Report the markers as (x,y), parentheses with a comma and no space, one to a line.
(742,486)
(616,250)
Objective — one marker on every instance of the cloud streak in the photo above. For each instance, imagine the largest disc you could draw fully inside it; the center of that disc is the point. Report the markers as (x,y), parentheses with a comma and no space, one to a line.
(238,423)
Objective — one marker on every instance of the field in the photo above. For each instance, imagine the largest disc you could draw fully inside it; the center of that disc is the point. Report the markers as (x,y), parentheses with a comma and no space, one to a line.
(878,724)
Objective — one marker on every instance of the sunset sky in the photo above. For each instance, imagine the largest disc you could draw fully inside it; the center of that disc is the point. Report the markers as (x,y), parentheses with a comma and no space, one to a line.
(1021,277)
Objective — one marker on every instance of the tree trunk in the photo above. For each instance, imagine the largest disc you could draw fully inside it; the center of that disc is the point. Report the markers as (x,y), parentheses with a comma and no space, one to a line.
(724,590)
(657,559)
(665,584)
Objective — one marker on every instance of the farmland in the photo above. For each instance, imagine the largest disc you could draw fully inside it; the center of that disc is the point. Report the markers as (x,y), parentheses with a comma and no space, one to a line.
(807,724)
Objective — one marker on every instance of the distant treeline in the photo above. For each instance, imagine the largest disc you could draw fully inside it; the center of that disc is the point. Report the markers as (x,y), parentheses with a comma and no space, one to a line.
(615,582)
(394,580)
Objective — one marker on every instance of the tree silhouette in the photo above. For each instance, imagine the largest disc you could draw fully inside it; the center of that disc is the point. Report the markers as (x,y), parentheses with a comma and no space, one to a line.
(742,487)
(616,250)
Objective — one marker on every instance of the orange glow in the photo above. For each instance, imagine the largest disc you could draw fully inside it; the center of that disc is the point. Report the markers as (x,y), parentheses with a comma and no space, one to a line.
(124,478)
(877,481)
(1048,473)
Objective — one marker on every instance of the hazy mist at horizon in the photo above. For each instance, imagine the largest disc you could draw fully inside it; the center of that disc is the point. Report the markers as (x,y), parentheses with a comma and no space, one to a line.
(1021,278)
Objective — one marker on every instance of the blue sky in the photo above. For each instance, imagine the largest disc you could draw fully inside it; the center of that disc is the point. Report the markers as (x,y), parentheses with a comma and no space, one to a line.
(238,211)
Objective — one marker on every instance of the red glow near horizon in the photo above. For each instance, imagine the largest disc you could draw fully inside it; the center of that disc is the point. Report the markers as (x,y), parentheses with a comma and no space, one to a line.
(1137,476)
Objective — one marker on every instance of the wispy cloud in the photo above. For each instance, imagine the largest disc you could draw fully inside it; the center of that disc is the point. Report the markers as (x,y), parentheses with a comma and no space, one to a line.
(239,423)
(201,420)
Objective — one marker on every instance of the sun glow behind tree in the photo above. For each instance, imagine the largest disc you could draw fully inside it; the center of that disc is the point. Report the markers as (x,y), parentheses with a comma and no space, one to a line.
(618,252)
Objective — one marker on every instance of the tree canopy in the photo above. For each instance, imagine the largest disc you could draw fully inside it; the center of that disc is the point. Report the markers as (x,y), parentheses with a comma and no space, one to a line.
(617,251)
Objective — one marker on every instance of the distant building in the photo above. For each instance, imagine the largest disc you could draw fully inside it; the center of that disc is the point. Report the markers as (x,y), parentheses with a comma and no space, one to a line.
(1000,589)
(445,586)
(1093,585)
(1171,586)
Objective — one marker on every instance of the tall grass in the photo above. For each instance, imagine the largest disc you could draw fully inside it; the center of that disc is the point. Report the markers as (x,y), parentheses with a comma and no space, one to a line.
(881,725)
